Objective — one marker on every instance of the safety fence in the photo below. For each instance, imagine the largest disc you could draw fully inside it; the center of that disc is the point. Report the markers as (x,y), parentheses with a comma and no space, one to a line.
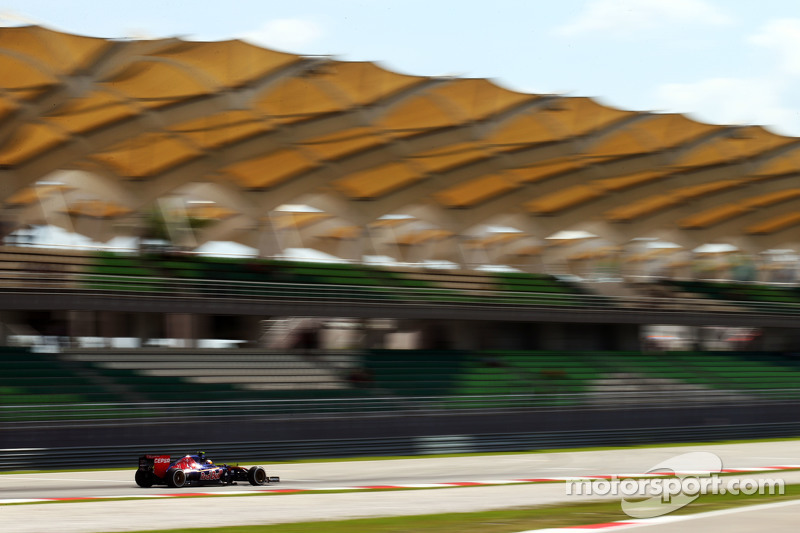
(125,456)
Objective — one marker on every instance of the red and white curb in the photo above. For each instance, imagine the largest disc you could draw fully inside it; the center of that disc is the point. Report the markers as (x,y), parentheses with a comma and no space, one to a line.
(482,483)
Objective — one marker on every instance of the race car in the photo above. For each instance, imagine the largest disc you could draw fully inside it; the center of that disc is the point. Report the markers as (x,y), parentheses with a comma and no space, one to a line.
(195,470)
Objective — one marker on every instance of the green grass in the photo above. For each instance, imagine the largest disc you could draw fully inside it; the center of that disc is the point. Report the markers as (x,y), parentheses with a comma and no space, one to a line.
(503,521)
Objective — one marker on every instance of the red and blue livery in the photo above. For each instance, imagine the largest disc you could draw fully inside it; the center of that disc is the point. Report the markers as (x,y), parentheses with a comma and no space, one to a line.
(195,470)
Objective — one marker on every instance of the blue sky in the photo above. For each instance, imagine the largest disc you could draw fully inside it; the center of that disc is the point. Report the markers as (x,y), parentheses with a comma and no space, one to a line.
(734,61)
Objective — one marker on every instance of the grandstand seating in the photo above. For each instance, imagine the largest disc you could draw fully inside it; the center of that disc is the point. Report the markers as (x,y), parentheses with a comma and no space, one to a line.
(752,295)
(161,272)
(167,375)
(414,372)
(41,267)
(465,378)
(125,382)
(540,378)
(146,272)
(741,371)
(33,378)
(608,373)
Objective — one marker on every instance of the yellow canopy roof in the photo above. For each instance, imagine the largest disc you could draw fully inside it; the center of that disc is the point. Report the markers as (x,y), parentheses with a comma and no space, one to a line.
(148,118)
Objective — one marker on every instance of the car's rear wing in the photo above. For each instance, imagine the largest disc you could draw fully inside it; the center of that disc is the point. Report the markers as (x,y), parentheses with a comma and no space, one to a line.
(158,464)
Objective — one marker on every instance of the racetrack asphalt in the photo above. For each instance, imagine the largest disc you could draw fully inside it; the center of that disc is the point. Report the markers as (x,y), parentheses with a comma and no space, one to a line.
(132,515)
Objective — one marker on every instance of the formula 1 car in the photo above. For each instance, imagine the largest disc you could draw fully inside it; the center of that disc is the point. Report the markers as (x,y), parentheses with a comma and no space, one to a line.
(195,470)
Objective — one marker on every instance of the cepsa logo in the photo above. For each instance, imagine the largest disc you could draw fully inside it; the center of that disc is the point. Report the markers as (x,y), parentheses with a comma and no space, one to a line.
(162,460)
(209,475)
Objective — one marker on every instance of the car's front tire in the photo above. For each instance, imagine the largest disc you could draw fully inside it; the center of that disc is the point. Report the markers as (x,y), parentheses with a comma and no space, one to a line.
(176,478)
(257,475)
(144,479)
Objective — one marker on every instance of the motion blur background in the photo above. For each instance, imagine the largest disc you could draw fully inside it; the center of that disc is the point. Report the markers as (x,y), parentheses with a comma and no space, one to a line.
(217,218)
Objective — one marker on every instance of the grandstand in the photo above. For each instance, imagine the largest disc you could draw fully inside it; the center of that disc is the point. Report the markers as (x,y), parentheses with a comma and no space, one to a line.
(477,251)
(153,375)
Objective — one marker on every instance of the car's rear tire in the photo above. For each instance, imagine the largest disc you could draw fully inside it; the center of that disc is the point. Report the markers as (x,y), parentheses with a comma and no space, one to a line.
(176,478)
(144,479)
(257,475)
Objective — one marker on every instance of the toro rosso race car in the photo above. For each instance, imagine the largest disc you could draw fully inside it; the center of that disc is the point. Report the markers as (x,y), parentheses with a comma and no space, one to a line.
(195,470)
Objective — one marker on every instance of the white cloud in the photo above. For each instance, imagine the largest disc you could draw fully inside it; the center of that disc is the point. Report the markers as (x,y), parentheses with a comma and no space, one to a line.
(290,35)
(627,17)
(781,36)
(731,101)
(11,18)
